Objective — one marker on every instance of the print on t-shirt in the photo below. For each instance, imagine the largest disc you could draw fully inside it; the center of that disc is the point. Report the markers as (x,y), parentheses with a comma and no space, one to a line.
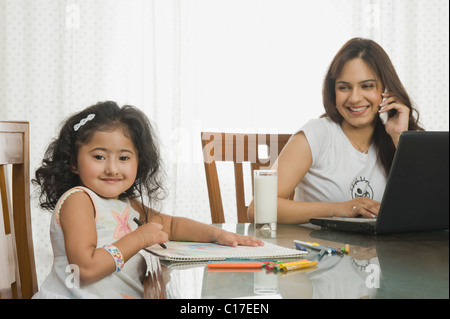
(361,188)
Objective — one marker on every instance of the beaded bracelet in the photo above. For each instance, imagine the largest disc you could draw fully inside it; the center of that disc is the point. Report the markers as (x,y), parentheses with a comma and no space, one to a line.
(117,255)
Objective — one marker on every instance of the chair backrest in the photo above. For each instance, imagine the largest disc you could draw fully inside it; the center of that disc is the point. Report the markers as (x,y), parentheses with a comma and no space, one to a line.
(17,265)
(237,148)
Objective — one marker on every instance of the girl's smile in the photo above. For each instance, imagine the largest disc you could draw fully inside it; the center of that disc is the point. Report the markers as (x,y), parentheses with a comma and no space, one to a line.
(110,180)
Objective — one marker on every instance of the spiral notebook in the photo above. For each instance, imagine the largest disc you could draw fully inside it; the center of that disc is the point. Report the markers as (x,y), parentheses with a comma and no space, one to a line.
(195,251)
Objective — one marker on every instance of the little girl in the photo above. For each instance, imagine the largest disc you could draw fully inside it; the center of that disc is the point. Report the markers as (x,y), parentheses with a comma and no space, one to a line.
(95,177)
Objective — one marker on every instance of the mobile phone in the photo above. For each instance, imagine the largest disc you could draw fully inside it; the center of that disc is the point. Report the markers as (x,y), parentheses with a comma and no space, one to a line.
(384,116)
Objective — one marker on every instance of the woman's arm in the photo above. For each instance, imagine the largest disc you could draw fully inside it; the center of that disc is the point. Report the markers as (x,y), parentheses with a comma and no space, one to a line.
(293,163)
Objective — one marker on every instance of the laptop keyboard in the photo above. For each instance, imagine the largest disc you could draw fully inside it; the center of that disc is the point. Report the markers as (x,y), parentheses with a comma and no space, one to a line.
(354,219)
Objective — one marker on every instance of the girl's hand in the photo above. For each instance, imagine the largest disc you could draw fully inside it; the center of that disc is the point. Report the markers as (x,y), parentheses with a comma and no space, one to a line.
(232,239)
(398,123)
(150,234)
(360,206)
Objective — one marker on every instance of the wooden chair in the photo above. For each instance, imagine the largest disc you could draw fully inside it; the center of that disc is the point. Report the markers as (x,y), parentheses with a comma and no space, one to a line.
(237,148)
(17,266)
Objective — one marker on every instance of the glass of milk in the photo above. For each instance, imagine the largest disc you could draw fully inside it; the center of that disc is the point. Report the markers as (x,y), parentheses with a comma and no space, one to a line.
(265,202)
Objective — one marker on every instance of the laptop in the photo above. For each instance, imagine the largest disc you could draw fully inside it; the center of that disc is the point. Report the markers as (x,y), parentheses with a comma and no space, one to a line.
(416,197)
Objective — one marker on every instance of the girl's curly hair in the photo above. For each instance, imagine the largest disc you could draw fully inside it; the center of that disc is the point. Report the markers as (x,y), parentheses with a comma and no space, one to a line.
(55,176)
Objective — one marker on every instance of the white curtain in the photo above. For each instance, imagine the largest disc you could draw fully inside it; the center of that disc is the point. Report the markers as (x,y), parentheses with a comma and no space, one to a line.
(193,65)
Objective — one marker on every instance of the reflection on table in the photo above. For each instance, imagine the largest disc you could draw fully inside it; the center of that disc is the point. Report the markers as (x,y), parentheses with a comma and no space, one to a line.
(410,265)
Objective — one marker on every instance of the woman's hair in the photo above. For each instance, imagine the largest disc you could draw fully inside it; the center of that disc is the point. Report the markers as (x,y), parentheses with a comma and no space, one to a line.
(378,61)
(55,176)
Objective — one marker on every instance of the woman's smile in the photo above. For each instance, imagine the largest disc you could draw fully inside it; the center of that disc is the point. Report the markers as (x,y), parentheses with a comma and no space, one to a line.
(357,110)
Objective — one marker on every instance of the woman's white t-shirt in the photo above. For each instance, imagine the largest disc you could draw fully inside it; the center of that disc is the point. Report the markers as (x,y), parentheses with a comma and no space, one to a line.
(338,172)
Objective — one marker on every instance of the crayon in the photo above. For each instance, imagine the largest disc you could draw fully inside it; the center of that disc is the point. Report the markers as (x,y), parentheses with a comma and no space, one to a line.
(288,267)
(235,265)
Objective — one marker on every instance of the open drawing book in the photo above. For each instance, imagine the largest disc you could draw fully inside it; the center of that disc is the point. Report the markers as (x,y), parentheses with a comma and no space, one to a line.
(194,251)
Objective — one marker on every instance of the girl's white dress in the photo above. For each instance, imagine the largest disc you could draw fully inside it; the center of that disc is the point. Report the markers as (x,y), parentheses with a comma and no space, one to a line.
(114,219)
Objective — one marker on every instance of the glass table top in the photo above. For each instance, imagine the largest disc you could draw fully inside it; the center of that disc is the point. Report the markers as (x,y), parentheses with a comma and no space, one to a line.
(408,265)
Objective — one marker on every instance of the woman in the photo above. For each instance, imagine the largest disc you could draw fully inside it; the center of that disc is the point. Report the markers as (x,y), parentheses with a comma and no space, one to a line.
(338,164)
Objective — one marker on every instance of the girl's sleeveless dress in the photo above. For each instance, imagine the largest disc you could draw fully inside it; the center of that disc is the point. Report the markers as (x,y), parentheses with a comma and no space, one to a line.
(114,219)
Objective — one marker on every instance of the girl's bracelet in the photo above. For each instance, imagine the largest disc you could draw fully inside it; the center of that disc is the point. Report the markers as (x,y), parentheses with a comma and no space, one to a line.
(117,255)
